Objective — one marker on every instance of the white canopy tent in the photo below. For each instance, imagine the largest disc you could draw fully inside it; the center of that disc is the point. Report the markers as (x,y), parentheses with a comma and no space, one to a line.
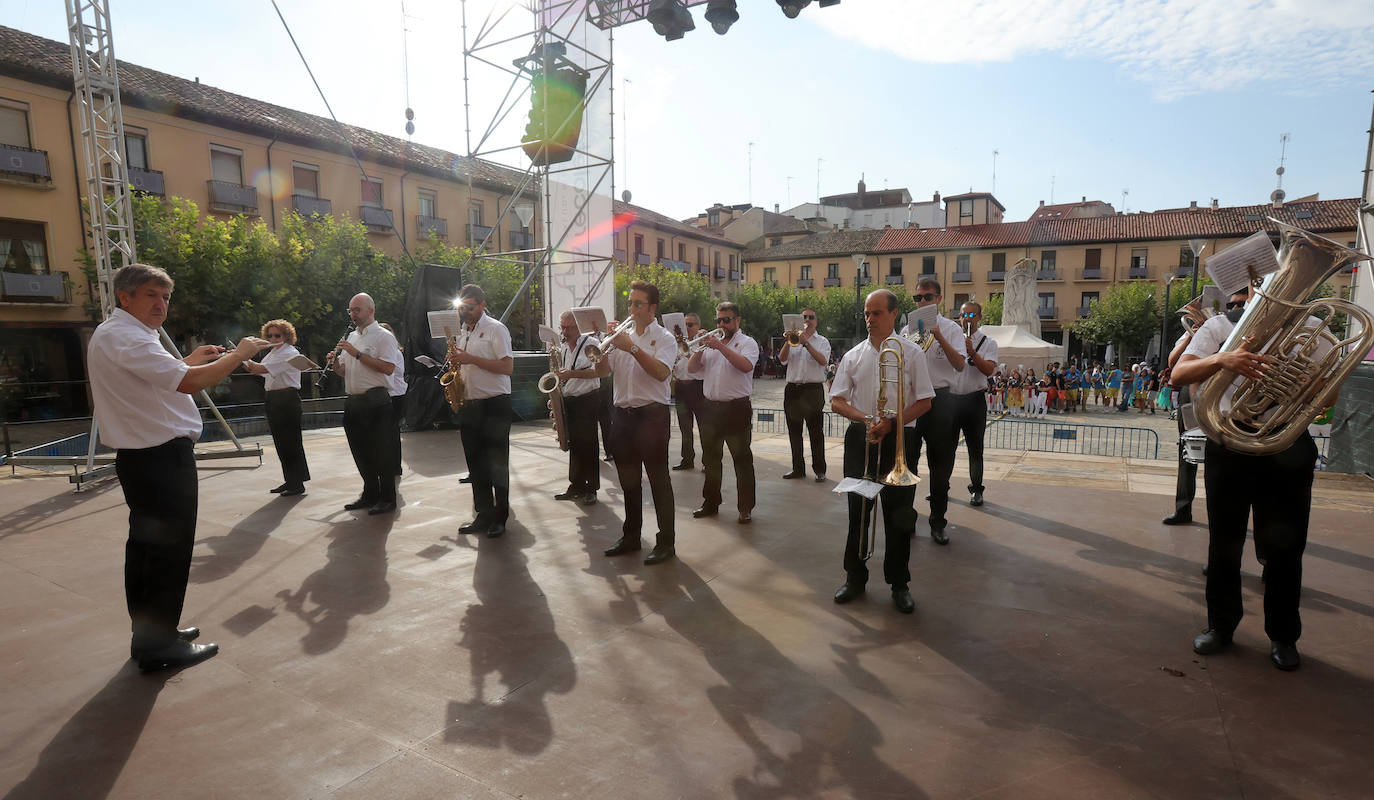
(1017,347)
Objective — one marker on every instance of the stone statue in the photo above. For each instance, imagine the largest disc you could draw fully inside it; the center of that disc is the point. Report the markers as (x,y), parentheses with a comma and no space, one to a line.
(1020,301)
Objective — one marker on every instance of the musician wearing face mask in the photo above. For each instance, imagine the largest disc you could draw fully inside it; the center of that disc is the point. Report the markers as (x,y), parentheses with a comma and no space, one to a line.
(487,363)
(803,399)
(726,364)
(687,396)
(946,361)
(581,407)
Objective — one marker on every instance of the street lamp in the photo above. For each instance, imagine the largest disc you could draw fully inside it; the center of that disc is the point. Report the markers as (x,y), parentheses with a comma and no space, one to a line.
(1197,246)
(860,261)
(1164,319)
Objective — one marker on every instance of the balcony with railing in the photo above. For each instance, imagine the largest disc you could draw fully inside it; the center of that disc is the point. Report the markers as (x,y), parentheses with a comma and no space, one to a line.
(1047,312)
(704,269)
(309,206)
(621,256)
(892,280)
(1138,271)
(478,234)
(431,226)
(1184,270)
(376,220)
(21,288)
(1084,310)
(734,275)
(720,273)
(962,277)
(1047,275)
(521,240)
(24,165)
(675,265)
(1092,273)
(232,198)
(147,181)
(806,283)
(643,258)
(997,275)
(830,282)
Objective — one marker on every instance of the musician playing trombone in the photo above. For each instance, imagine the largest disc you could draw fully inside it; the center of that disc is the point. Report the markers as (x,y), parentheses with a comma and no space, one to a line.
(854,395)
(581,405)
(803,399)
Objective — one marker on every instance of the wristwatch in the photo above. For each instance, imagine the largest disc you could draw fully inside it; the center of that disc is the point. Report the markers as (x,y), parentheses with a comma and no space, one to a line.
(634,349)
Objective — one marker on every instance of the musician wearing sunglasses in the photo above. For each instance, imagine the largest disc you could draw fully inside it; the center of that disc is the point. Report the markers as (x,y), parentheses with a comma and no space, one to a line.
(946,361)
(803,399)
(970,394)
(687,396)
(726,364)
(488,362)
(1278,487)
(641,359)
(282,404)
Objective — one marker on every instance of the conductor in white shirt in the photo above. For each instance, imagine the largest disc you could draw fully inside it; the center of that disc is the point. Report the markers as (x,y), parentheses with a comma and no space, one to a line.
(282,405)
(144,409)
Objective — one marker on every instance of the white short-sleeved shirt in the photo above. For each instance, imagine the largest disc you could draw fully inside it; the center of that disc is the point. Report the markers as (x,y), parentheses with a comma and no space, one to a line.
(575,357)
(134,384)
(680,367)
(280,373)
(802,366)
(722,381)
(943,375)
(375,341)
(487,339)
(856,379)
(972,379)
(633,386)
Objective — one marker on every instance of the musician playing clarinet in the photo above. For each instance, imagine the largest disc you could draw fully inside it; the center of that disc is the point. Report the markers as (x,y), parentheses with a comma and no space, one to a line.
(854,395)
(368,357)
(581,407)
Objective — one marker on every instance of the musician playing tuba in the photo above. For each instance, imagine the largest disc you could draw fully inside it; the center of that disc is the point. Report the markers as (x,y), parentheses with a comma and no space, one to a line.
(581,404)
(854,395)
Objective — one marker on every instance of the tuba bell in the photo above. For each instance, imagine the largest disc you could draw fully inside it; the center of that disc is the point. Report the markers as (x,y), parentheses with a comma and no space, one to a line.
(1309,360)
(1193,314)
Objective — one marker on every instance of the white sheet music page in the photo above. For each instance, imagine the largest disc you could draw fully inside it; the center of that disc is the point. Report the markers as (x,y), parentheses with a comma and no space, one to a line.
(441,321)
(858,486)
(1233,268)
(590,319)
(925,315)
(675,323)
(792,322)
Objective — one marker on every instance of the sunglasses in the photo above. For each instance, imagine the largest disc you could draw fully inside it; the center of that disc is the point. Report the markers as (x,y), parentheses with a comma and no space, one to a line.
(274,336)
(969,314)
(808,316)
(926,296)
(725,320)
(1235,304)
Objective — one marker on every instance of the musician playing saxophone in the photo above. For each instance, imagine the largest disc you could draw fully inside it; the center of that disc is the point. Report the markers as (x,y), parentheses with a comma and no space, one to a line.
(581,405)
(487,362)
(854,395)
(1278,487)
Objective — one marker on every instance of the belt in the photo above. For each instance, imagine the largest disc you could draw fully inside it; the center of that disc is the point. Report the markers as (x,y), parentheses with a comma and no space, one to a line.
(806,383)
(642,409)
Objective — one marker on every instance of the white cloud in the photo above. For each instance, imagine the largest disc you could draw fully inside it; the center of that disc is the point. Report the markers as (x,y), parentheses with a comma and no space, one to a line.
(1177,47)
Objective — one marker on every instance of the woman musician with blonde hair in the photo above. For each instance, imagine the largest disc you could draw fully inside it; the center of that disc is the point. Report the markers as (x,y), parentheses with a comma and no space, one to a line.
(282,404)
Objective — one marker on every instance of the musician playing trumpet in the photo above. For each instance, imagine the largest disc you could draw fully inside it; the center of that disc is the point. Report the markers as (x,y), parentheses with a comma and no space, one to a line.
(487,362)
(946,361)
(726,364)
(803,399)
(854,395)
(581,405)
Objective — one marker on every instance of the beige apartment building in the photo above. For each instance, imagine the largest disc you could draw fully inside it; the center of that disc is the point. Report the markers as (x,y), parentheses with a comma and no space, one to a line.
(648,237)
(230,155)
(1077,259)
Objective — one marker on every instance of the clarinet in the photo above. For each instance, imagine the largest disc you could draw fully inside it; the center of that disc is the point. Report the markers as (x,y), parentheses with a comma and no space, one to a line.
(333,354)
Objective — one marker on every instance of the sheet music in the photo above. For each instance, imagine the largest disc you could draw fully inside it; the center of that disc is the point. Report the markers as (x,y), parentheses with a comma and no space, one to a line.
(590,319)
(548,336)
(1233,268)
(925,315)
(675,322)
(443,324)
(858,486)
(792,322)
(426,361)
(302,363)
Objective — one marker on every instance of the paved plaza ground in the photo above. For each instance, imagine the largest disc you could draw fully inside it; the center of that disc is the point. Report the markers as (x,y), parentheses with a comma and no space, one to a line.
(391,657)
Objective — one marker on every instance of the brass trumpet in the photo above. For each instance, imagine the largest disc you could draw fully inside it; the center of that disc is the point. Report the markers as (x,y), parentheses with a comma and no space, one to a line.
(695,343)
(596,352)
(793,338)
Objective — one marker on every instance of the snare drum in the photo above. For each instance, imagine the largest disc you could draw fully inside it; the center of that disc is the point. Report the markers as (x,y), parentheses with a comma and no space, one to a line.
(1194,446)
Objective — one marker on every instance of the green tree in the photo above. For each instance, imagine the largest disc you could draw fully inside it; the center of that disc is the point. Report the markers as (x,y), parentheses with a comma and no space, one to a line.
(677,291)
(992,309)
(1125,317)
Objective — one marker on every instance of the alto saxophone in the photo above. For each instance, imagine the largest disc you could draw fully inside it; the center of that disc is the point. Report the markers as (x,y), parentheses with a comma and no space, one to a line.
(455,390)
(550,385)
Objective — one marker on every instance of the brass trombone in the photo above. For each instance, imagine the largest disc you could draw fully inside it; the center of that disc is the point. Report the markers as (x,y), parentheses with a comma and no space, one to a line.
(891,372)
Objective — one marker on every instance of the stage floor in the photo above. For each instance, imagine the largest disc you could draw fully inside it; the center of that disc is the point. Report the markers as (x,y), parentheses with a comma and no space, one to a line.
(368,657)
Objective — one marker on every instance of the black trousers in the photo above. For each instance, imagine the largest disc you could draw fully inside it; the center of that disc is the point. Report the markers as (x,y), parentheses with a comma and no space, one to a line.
(1278,488)
(398,414)
(368,426)
(642,441)
(605,412)
(690,402)
(804,403)
(283,410)
(580,415)
(938,430)
(486,443)
(1185,489)
(899,511)
(971,419)
(160,489)
(728,423)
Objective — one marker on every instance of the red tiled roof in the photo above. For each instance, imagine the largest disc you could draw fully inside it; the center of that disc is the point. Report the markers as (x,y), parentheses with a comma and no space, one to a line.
(1233,222)
(830,243)
(1059,211)
(48,62)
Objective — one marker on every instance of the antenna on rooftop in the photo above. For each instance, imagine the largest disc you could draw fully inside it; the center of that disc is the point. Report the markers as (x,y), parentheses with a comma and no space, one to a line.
(1276,196)
(994,171)
(405,70)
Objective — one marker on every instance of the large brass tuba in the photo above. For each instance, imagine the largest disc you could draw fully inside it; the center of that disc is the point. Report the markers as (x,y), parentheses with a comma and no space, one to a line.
(1309,360)
(550,385)
(455,390)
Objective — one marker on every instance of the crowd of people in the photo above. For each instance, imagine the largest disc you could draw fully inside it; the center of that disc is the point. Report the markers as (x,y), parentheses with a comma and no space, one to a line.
(1075,387)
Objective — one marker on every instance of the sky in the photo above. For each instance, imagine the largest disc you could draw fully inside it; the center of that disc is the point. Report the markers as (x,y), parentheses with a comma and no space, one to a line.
(1144,104)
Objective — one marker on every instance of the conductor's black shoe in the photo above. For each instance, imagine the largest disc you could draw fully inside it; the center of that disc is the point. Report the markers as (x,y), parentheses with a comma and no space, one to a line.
(659,554)
(280,489)
(361,502)
(466,478)
(1178,518)
(796,473)
(293,491)
(848,591)
(623,546)
(975,499)
(496,529)
(682,465)
(901,600)
(384,507)
(568,495)
(180,654)
(478,525)
(183,634)
(1210,642)
(705,511)
(939,535)
(1284,655)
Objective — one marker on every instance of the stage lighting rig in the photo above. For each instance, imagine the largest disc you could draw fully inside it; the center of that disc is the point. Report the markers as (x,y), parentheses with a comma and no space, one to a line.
(722,14)
(670,19)
(791,8)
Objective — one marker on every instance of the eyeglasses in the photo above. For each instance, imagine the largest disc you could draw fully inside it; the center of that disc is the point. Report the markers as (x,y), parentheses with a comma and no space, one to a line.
(725,320)
(638,303)
(1235,304)
(926,296)
(808,316)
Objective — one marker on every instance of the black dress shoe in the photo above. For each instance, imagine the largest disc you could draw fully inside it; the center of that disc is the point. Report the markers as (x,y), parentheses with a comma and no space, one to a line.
(659,554)
(496,529)
(975,499)
(587,499)
(478,525)
(623,546)
(180,654)
(384,507)
(361,502)
(745,518)
(293,491)
(183,634)
(280,489)
(466,478)
(796,473)
(820,477)
(848,591)
(939,535)
(568,495)
(1178,518)
(1284,655)
(902,601)
(706,511)
(1210,642)
(682,465)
